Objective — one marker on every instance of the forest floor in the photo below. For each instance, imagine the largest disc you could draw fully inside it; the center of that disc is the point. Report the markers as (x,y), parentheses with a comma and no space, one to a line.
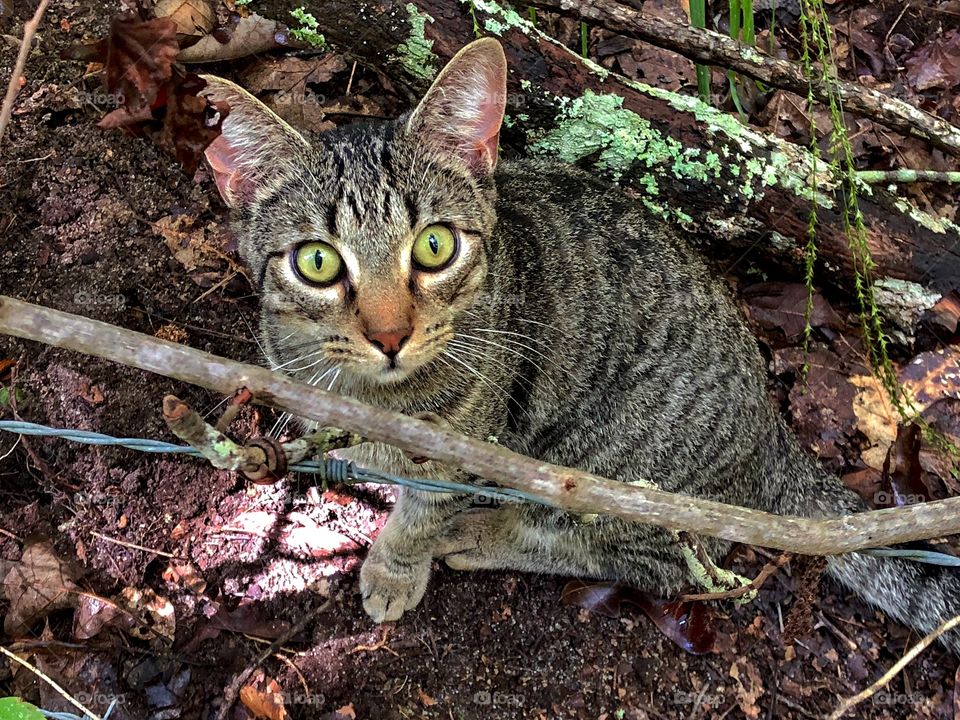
(103,225)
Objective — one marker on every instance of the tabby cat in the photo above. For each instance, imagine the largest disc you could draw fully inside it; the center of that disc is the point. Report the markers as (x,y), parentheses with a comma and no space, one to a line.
(401,264)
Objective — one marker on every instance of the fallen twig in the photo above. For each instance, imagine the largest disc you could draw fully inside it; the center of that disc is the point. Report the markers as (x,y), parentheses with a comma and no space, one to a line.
(851,702)
(705,46)
(13,88)
(876,177)
(52,683)
(573,490)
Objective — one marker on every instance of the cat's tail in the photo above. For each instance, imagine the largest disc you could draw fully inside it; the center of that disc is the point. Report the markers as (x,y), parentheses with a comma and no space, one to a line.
(915,594)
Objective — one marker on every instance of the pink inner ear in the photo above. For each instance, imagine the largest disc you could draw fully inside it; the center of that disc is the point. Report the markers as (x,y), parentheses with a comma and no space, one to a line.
(233,185)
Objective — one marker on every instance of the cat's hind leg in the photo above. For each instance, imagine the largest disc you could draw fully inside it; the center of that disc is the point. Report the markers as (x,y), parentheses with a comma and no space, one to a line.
(528,539)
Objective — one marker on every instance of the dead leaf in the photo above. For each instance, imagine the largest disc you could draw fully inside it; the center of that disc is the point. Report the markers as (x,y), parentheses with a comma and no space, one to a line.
(192,17)
(264,697)
(245,36)
(929,377)
(902,471)
(938,457)
(749,687)
(152,95)
(425,699)
(138,57)
(6,369)
(37,585)
(247,618)
(822,404)
(689,625)
(935,64)
(201,250)
(96,613)
(186,575)
(777,306)
(154,616)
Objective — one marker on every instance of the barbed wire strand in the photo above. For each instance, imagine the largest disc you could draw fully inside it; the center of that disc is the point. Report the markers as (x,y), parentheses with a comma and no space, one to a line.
(344,471)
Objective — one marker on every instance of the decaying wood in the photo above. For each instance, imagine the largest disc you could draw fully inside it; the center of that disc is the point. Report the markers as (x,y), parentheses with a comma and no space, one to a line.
(705,46)
(570,489)
(758,199)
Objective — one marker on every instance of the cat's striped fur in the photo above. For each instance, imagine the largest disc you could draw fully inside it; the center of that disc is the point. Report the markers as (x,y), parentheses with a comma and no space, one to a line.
(573,327)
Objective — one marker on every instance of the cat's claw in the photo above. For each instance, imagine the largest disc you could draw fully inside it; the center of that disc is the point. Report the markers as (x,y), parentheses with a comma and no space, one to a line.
(388,591)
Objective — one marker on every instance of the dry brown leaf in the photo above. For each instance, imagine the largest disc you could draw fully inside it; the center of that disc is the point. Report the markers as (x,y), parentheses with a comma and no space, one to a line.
(154,615)
(249,36)
(749,687)
(192,17)
(936,64)
(425,699)
(36,586)
(186,575)
(264,697)
(929,377)
(782,306)
(96,613)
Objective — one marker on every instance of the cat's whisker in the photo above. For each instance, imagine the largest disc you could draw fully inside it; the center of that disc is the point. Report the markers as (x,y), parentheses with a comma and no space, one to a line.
(299,358)
(253,334)
(548,326)
(308,366)
(486,355)
(515,352)
(515,334)
(497,390)
(281,424)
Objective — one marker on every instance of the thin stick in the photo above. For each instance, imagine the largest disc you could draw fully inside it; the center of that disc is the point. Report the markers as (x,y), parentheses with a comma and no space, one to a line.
(875,177)
(705,46)
(851,702)
(47,679)
(13,89)
(570,489)
(134,546)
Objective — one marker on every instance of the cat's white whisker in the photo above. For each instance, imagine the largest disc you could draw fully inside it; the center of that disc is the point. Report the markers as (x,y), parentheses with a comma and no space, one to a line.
(515,352)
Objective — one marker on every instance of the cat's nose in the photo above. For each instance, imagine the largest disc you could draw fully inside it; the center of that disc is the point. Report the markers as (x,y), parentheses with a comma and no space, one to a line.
(389,342)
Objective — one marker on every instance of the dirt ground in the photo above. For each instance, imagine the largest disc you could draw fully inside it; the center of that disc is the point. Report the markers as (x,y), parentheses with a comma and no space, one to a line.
(91,222)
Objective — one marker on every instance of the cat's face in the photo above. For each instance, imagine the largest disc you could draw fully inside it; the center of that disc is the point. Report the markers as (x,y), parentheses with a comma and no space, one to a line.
(369,242)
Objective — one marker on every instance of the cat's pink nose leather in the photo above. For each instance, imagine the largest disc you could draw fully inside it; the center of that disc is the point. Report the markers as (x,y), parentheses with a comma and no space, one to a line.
(389,341)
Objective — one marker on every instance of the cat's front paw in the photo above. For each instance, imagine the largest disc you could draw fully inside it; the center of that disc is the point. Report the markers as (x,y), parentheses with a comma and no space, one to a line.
(389,588)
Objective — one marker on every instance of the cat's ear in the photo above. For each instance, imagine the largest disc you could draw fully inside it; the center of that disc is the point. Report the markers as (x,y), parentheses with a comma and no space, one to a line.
(463,109)
(254,147)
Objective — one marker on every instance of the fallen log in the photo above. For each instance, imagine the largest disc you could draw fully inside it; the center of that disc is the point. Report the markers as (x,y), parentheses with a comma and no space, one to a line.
(722,182)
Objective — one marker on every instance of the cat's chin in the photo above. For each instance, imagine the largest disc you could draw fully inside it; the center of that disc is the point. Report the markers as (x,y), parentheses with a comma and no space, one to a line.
(384,376)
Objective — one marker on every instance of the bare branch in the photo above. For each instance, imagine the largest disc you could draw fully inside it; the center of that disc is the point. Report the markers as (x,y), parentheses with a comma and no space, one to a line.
(570,489)
(13,89)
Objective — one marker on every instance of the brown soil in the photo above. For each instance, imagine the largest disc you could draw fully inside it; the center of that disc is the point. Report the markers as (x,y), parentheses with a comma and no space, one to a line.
(77,211)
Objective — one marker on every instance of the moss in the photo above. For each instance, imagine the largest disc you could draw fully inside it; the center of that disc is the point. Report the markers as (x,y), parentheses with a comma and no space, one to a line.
(416,52)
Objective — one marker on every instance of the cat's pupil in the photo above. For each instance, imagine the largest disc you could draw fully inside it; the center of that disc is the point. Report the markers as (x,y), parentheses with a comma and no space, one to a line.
(434,244)
(318,259)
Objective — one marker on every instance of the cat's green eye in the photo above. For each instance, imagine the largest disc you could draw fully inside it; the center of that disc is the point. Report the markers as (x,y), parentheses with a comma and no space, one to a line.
(318,263)
(434,247)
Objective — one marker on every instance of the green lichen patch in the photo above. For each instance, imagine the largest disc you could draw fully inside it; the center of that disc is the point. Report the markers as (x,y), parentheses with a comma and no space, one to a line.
(500,18)
(416,52)
(307,31)
(598,124)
